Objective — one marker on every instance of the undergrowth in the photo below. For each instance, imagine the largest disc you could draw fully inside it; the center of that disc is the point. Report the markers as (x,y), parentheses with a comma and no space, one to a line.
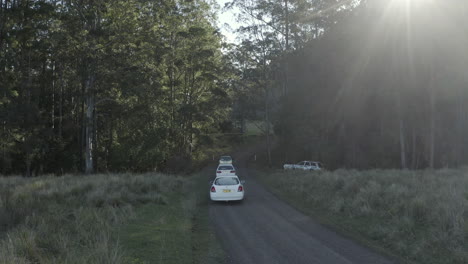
(74,219)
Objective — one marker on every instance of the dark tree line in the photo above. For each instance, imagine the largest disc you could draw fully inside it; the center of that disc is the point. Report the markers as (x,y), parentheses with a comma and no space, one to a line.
(385,87)
(107,85)
(361,84)
(113,85)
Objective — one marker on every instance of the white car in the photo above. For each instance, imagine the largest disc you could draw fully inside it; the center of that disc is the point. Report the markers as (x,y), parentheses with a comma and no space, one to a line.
(225,170)
(227,188)
(303,165)
(225,160)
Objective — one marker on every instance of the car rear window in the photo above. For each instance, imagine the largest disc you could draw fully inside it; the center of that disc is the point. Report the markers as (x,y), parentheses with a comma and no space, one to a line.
(225,168)
(227,181)
(225,158)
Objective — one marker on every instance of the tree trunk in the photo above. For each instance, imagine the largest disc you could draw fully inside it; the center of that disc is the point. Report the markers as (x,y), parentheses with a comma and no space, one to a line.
(267,120)
(432,122)
(28,166)
(286,9)
(4,163)
(286,66)
(53,99)
(413,151)
(171,84)
(267,111)
(95,137)
(82,120)
(402,144)
(89,126)
(2,72)
(110,142)
(401,124)
(60,103)
(458,144)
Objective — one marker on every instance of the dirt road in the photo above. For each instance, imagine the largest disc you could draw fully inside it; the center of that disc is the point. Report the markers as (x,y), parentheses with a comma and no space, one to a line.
(263,229)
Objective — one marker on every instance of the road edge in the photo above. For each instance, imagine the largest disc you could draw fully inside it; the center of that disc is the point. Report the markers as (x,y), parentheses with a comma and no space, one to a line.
(327,221)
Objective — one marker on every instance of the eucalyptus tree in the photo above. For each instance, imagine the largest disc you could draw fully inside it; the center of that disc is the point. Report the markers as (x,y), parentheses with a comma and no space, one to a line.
(107,84)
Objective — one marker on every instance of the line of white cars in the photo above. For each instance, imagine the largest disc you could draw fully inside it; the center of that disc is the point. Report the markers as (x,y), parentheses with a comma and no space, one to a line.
(226,186)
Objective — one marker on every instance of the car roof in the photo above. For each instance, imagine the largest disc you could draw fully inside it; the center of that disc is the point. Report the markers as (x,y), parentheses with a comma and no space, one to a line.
(225,164)
(225,176)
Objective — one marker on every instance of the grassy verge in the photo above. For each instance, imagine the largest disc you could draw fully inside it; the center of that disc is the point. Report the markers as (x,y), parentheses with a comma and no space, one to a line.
(179,233)
(122,218)
(206,247)
(420,216)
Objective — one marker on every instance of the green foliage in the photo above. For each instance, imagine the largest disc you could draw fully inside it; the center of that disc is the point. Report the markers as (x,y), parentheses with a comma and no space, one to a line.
(152,71)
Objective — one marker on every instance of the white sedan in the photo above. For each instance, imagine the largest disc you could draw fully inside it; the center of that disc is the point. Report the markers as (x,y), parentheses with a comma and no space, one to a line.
(225,170)
(304,165)
(227,189)
(225,160)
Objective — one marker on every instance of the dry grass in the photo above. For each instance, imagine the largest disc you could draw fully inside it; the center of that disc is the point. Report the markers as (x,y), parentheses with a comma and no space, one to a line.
(419,215)
(74,219)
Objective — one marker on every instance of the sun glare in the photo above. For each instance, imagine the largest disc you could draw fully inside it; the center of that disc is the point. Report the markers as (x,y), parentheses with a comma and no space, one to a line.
(411,8)
(411,2)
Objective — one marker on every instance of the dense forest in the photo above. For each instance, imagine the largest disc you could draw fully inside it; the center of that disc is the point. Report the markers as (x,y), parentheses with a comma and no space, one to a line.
(113,85)
(386,88)
(107,85)
(374,84)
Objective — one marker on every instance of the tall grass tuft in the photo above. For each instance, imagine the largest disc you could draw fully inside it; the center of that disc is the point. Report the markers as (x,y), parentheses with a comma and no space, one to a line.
(73,219)
(420,215)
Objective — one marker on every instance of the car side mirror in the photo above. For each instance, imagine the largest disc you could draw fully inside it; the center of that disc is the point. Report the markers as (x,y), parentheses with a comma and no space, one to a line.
(210,182)
(243,181)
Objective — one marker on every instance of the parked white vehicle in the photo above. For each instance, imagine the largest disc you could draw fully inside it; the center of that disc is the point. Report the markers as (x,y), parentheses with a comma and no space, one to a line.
(225,160)
(303,165)
(227,188)
(225,170)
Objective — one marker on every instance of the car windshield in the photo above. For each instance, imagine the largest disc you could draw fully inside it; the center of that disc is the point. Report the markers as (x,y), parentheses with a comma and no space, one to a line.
(225,168)
(225,158)
(227,181)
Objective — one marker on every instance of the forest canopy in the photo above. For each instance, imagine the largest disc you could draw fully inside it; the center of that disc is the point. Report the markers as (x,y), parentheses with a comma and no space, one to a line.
(385,87)
(107,85)
(359,84)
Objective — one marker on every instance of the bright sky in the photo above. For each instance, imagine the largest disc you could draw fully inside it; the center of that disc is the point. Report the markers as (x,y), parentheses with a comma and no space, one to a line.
(228,18)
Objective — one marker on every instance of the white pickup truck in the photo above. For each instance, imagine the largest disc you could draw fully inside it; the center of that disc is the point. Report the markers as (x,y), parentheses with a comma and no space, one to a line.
(304,165)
